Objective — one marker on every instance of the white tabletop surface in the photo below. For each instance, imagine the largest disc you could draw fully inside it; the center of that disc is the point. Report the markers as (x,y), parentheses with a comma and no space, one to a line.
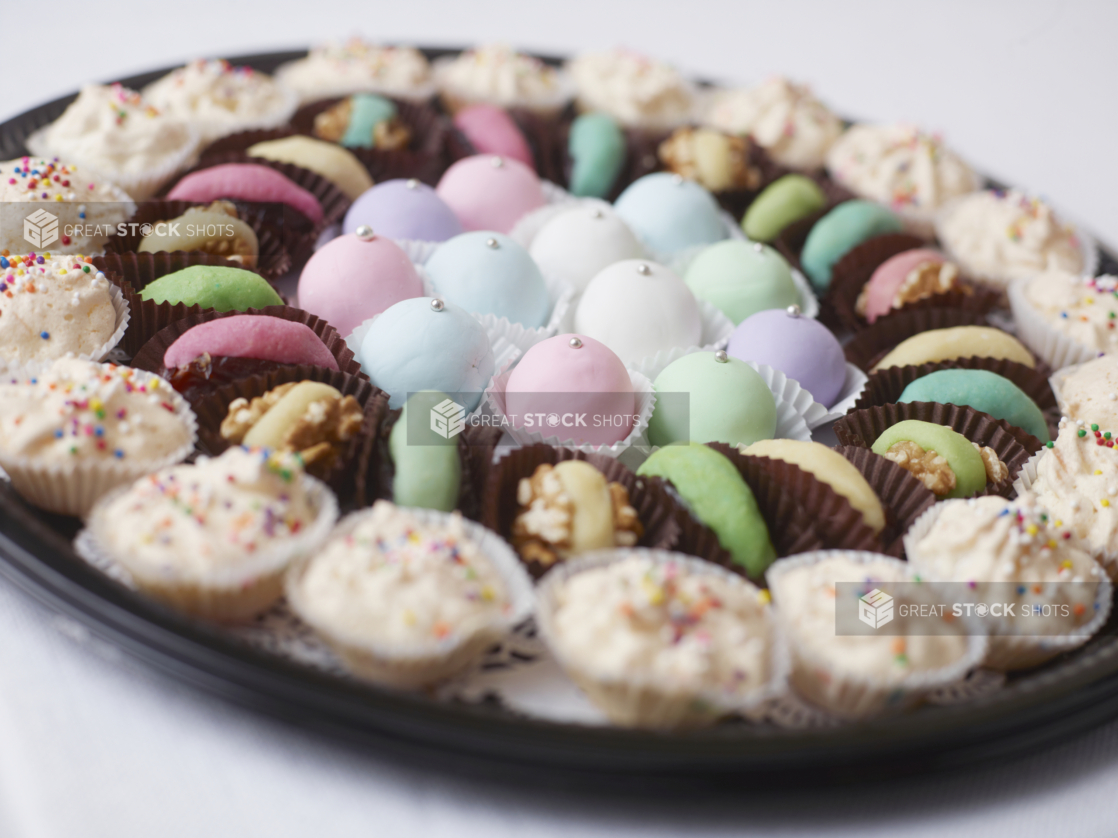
(93,745)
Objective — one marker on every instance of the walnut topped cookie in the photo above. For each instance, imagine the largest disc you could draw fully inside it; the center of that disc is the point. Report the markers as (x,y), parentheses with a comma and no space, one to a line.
(309,418)
(569,508)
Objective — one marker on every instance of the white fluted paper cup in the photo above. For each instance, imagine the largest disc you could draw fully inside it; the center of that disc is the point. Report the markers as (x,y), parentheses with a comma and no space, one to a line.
(1050,345)
(123,316)
(1088,249)
(808,302)
(418,251)
(413,665)
(795,407)
(73,487)
(139,185)
(797,412)
(1007,652)
(852,386)
(226,594)
(645,403)
(505,353)
(847,691)
(640,700)
(1027,477)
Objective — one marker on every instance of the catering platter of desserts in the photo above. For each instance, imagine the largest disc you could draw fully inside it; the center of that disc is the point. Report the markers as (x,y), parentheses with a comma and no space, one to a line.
(560,412)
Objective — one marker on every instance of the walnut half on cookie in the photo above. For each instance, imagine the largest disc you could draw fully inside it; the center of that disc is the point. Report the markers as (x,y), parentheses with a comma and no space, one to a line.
(570,508)
(935,472)
(926,466)
(307,417)
(996,470)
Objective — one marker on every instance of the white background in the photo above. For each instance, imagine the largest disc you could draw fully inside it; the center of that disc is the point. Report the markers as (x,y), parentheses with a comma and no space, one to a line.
(89,746)
(1026,90)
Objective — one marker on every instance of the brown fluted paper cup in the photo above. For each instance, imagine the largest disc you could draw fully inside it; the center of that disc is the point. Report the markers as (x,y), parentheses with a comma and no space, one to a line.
(1013,446)
(854,270)
(836,523)
(875,342)
(272,262)
(657,511)
(904,497)
(299,232)
(133,272)
(242,141)
(886,386)
(476,445)
(213,408)
(790,528)
(424,159)
(225,370)
(547,137)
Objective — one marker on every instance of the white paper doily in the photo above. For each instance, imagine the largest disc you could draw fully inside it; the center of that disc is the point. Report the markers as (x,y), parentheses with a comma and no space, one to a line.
(521,676)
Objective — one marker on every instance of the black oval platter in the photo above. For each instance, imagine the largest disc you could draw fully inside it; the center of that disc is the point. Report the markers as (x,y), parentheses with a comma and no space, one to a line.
(1063,699)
